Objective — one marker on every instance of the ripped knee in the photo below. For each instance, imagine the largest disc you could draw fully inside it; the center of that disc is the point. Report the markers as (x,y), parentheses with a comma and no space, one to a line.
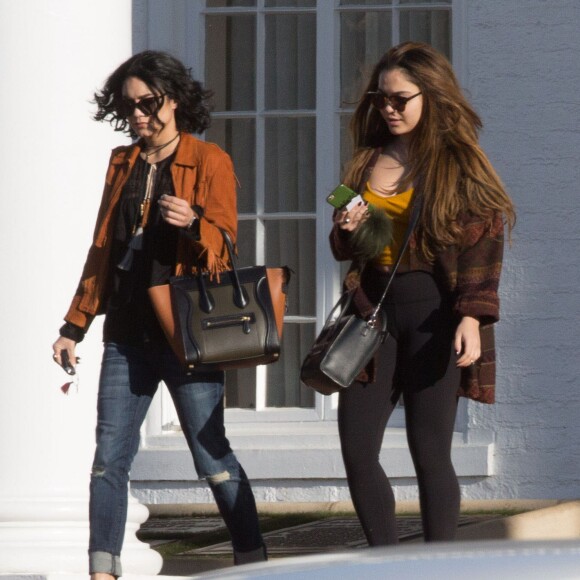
(219,478)
(98,471)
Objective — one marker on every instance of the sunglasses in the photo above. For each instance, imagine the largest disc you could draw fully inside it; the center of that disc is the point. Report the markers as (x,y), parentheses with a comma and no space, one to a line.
(148,105)
(380,100)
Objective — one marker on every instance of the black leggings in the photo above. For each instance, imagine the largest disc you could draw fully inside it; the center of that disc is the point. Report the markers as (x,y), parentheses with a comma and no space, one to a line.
(417,361)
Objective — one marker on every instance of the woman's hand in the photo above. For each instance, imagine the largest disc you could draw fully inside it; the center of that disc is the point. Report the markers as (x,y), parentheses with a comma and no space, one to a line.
(351,220)
(467,341)
(176,211)
(64,344)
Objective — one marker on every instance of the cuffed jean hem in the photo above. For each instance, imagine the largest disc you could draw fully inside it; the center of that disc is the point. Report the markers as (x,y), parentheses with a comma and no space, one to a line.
(105,563)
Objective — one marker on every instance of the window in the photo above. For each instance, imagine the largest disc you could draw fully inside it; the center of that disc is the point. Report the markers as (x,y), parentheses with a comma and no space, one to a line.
(368,29)
(259,62)
(286,76)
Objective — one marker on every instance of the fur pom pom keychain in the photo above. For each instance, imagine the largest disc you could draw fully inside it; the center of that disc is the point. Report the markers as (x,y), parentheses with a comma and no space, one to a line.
(368,241)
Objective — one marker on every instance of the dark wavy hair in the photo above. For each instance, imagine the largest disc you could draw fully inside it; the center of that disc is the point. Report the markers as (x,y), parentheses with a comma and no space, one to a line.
(162,73)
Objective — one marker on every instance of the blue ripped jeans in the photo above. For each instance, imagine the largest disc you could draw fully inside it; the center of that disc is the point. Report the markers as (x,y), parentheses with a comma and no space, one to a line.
(129,378)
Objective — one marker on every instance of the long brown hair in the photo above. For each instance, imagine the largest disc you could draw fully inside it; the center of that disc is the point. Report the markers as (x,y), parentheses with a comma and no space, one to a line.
(448,166)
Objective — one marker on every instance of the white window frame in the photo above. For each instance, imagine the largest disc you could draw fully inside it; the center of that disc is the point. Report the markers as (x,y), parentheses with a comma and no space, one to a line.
(168,26)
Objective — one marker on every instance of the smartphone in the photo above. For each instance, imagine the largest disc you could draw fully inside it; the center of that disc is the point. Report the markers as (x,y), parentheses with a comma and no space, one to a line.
(341,196)
(65,363)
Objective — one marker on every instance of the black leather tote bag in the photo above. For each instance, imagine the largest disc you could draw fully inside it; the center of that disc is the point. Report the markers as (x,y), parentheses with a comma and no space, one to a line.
(232,322)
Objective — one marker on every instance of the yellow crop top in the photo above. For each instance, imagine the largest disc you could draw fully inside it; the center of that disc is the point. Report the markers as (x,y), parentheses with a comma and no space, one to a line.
(398,208)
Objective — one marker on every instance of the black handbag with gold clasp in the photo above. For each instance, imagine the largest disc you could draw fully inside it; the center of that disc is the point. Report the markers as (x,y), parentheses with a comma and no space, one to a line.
(232,321)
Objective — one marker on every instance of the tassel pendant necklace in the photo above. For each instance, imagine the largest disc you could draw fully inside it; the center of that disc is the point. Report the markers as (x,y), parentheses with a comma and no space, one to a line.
(136,242)
(145,205)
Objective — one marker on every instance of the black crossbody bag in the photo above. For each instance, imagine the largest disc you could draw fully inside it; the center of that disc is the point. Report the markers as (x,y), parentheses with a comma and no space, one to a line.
(348,342)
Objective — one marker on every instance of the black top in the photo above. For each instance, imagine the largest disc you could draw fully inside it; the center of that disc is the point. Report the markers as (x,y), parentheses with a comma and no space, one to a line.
(130,318)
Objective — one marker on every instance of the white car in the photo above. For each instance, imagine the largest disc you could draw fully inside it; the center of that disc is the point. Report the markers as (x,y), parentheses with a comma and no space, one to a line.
(483,560)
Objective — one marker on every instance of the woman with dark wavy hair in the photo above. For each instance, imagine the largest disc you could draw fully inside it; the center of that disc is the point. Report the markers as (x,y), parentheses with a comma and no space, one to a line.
(165,199)
(416,142)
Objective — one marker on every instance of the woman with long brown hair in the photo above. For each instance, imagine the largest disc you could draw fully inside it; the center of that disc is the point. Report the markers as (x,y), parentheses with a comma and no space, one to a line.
(416,144)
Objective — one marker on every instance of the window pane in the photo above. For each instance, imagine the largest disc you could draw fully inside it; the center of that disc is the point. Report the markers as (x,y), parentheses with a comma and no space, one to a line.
(292,243)
(290,61)
(290,165)
(241,383)
(246,243)
(238,138)
(365,37)
(283,377)
(290,3)
(346,149)
(430,26)
(424,1)
(230,66)
(283,384)
(364,2)
(229,3)
(240,389)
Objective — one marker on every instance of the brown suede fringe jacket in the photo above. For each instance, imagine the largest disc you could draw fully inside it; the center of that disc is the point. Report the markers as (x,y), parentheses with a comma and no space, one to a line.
(470,272)
(203,175)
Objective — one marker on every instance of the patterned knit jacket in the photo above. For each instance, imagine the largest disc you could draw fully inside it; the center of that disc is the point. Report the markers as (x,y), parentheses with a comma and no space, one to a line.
(471,272)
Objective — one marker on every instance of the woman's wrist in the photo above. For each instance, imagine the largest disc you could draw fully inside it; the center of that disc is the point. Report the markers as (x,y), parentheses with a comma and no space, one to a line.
(192,229)
(191,222)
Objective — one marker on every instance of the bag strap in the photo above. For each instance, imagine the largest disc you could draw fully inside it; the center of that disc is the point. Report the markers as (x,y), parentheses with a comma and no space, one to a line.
(412,223)
(240,298)
(229,246)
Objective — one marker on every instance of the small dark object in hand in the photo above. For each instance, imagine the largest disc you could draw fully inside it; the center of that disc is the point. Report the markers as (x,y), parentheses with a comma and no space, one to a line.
(65,363)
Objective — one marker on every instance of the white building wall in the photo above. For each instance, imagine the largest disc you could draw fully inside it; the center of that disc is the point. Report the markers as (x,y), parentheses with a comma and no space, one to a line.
(520,67)
(524,78)
(521,60)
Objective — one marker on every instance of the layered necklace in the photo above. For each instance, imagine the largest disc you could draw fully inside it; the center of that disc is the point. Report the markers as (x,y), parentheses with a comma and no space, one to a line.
(136,242)
(159,148)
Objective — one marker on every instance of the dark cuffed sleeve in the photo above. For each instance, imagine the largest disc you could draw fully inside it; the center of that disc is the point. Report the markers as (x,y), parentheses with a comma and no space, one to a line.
(193,232)
(72,331)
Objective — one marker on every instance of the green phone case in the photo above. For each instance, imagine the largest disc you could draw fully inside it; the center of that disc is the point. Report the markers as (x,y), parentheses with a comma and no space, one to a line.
(341,196)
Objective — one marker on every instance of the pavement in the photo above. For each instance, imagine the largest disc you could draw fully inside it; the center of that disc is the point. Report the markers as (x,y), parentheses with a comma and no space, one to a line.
(192,545)
(196,544)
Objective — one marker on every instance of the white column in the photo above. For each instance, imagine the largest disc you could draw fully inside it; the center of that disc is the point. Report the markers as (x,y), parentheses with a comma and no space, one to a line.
(53,55)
